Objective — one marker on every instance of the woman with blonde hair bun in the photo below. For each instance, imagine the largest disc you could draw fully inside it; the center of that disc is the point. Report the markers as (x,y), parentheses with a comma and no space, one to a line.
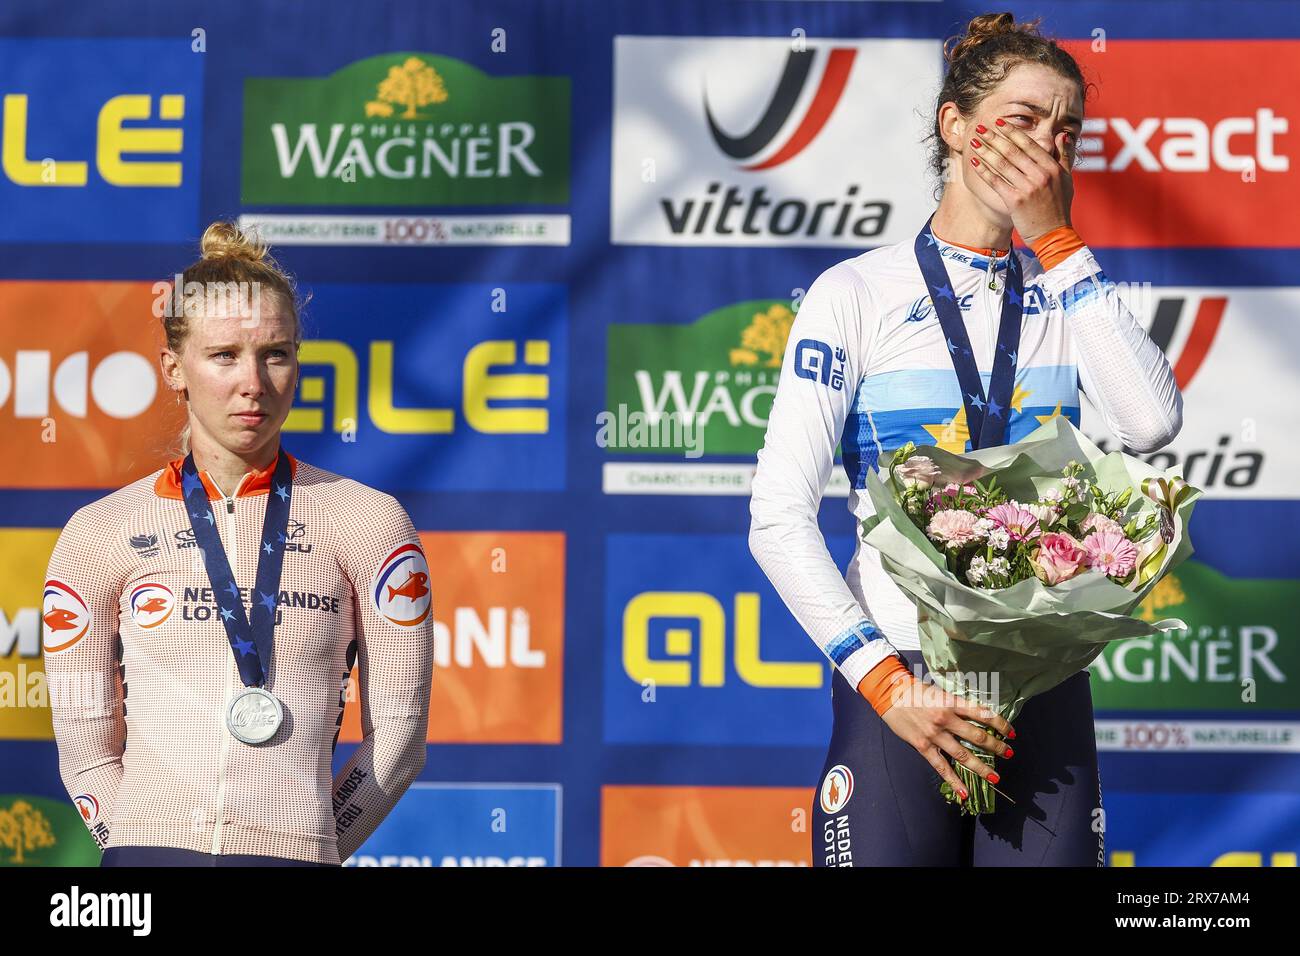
(952,339)
(219,663)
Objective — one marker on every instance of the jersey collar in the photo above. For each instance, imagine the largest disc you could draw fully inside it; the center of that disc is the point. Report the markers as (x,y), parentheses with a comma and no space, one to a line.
(168,483)
(973,257)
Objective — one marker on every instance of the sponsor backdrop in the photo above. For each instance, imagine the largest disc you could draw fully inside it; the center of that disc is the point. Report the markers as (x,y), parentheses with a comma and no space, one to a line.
(531,230)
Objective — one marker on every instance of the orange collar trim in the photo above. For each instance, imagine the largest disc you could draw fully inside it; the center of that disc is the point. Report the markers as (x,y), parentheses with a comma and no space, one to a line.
(995,253)
(168,484)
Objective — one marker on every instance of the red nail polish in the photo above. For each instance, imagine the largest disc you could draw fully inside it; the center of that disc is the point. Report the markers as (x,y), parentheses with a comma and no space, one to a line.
(975,143)
(994,778)
(974,160)
(1001,122)
(1011,732)
(964,794)
(1009,753)
(980,128)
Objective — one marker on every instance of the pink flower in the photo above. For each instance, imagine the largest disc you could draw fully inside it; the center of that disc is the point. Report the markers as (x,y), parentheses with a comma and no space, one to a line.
(1022,524)
(1099,522)
(1057,558)
(1109,552)
(949,492)
(954,528)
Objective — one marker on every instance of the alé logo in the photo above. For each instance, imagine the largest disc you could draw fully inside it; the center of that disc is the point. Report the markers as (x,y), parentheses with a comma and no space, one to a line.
(406,129)
(718,373)
(100,139)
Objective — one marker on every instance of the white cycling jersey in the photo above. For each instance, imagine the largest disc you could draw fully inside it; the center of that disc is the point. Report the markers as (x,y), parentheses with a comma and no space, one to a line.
(867,367)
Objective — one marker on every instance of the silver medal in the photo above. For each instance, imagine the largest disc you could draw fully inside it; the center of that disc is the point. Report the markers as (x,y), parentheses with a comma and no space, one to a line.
(254,715)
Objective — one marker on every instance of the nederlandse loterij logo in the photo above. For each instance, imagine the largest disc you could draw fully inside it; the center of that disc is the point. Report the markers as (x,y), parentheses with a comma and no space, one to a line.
(716,375)
(837,788)
(406,129)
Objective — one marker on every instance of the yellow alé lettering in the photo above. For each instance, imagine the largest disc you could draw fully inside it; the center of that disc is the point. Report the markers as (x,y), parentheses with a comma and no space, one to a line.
(115,140)
(404,421)
(481,385)
(26,172)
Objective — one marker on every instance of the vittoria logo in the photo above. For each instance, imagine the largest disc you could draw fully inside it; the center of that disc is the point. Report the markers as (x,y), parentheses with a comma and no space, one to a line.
(145,545)
(66,617)
(835,65)
(837,787)
(400,589)
(151,604)
(758,141)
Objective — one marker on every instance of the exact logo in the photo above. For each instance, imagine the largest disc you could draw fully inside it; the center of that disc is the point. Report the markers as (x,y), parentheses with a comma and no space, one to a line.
(400,588)
(151,604)
(837,787)
(66,617)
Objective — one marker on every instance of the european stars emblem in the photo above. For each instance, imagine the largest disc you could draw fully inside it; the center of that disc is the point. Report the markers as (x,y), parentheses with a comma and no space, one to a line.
(945,292)
(976,401)
(268,601)
(234,591)
(266,546)
(995,409)
(227,614)
(244,647)
(282,492)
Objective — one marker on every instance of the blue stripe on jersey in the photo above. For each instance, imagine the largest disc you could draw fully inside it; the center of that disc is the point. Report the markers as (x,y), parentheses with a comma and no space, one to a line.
(1084,289)
(930,388)
(851,640)
(873,429)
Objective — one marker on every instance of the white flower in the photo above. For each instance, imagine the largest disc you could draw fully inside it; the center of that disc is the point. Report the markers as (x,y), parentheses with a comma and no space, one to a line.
(978,568)
(1000,538)
(1046,513)
(919,472)
(999,566)
(1054,495)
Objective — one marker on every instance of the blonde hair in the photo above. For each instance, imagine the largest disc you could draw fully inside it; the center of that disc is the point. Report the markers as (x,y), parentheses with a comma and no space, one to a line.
(228,254)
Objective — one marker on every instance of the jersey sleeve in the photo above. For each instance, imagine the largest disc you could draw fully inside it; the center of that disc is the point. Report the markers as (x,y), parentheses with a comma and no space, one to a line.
(1124,374)
(823,361)
(82,658)
(394,630)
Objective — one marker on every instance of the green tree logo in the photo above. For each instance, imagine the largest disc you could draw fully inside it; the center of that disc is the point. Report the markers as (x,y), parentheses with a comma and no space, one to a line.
(413,84)
(1167,593)
(22,828)
(764,336)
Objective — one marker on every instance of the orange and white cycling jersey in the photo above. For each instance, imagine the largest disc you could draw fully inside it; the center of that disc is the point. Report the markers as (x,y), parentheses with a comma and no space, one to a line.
(140,668)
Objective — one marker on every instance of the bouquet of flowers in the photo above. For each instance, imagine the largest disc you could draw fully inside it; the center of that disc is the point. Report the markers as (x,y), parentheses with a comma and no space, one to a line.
(1024,561)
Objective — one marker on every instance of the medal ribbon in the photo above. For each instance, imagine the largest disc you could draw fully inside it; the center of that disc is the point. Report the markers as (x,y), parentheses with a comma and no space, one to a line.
(987,417)
(251,644)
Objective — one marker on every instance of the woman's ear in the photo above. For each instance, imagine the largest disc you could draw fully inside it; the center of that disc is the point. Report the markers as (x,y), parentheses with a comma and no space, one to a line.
(173,375)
